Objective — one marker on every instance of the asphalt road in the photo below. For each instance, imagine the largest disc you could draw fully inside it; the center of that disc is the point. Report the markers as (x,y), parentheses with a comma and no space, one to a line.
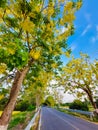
(52,119)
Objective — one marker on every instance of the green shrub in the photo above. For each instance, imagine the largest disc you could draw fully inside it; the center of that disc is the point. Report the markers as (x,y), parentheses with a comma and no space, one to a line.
(17,119)
(97,103)
(49,101)
(77,104)
(31,107)
(22,106)
(2,103)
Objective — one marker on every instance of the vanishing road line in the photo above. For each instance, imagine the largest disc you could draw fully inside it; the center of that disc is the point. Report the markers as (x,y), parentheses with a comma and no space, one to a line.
(64,120)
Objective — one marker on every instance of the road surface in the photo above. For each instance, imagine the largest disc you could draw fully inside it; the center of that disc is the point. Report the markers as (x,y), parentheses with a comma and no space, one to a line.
(52,119)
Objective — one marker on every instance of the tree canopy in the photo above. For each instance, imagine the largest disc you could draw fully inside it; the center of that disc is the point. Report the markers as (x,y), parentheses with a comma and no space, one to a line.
(31,40)
(80,77)
(32,31)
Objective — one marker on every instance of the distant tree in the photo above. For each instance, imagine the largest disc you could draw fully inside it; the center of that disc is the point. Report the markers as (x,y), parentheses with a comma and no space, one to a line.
(56,92)
(97,103)
(35,88)
(77,104)
(50,101)
(80,77)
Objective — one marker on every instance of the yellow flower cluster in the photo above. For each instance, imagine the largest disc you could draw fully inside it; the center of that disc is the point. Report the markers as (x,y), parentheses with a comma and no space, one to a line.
(8,11)
(1,14)
(69,18)
(11,48)
(54,65)
(65,34)
(2,68)
(14,9)
(78,5)
(0,39)
(37,8)
(52,23)
(49,26)
(35,54)
(61,1)
(50,49)
(68,6)
(67,54)
(50,11)
(97,76)
(11,51)
(61,21)
(27,25)
(33,15)
(76,61)
(67,70)
(1,97)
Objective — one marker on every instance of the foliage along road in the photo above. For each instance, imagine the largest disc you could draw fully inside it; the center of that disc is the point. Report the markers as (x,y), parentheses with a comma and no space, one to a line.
(52,119)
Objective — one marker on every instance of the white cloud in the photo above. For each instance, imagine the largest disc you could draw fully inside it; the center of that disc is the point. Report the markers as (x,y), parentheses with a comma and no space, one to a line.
(86,29)
(73,47)
(95,38)
(88,17)
(97,28)
(68,98)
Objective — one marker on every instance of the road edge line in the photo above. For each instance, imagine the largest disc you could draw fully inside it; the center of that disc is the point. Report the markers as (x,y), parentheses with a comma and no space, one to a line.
(65,121)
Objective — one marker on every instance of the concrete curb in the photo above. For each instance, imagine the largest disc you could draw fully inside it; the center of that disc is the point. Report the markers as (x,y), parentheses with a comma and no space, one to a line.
(32,122)
(39,125)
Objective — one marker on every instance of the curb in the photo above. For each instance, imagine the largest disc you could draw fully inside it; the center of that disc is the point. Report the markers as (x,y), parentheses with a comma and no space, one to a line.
(39,125)
(32,122)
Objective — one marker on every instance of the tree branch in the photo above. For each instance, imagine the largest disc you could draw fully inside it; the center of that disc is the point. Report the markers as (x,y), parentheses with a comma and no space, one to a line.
(28,41)
(11,76)
(5,22)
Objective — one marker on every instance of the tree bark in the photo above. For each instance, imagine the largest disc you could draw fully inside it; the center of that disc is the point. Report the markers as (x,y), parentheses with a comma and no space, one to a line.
(6,115)
(37,102)
(89,93)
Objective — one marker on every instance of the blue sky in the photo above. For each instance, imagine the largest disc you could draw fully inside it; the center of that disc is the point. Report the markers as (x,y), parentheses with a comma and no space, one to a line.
(85,38)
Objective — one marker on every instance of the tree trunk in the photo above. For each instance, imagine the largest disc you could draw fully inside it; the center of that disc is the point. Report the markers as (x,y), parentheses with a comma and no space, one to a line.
(89,93)
(6,115)
(37,102)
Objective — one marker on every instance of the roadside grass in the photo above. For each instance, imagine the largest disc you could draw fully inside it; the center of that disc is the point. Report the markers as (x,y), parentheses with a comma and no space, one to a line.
(0,113)
(15,112)
(20,120)
(91,108)
(86,117)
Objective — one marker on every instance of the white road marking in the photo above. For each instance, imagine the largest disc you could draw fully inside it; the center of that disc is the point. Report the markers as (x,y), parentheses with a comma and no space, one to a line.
(65,121)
